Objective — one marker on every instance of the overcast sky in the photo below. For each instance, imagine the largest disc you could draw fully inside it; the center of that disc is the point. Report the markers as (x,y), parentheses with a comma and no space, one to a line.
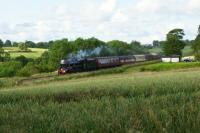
(142,20)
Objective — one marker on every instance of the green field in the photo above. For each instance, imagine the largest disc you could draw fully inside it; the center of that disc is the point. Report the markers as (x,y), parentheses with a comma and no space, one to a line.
(187,51)
(34,53)
(119,100)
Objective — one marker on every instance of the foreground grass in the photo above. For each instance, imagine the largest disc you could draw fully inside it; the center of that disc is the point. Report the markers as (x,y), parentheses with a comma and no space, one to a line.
(129,102)
(34,53)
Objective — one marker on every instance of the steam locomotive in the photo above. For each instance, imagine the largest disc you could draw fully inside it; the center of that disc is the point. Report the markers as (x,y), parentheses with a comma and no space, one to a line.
(90,64)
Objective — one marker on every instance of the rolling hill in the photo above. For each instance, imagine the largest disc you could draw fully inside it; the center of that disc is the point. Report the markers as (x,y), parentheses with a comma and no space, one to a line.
(34,53)
(187,51)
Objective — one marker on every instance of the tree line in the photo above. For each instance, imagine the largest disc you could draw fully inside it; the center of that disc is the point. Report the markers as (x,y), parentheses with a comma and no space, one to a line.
(29,44)
(63,48)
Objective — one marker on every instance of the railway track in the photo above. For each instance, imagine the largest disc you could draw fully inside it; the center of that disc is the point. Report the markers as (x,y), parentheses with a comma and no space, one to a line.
(44,78)
(27,80)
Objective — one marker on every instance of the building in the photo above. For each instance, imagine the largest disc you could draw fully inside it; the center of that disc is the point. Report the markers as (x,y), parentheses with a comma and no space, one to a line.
(173,59)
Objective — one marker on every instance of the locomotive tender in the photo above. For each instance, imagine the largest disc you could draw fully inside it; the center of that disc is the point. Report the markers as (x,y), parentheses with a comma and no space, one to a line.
(90,64)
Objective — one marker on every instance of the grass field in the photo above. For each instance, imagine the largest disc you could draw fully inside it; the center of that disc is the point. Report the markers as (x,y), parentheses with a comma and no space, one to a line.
(128,101)
(34,53)
(169,66)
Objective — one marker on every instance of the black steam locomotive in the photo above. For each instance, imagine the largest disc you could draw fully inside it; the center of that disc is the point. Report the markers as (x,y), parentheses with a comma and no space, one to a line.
(90,64)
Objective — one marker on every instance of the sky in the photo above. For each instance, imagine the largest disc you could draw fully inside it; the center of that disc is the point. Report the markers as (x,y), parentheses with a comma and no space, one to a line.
(126,20)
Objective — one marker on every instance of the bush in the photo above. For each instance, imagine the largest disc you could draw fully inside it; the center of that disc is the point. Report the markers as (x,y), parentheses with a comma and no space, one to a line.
(9,69)
(28,70)
(23,59)
(142,69)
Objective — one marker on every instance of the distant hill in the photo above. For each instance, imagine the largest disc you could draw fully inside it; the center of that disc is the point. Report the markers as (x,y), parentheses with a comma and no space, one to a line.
(186,52)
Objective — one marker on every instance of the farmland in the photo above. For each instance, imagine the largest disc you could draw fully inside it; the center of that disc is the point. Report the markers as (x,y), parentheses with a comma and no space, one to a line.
(33,53)
(120,100)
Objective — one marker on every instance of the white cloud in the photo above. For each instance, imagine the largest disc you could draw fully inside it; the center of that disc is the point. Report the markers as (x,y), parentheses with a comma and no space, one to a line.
(194,4)
(142,20)
(108,5)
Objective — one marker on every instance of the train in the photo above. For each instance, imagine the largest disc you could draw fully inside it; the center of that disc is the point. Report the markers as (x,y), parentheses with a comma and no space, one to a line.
(74,65)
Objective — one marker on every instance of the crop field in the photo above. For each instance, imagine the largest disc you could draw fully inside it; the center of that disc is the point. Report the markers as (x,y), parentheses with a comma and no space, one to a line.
(120,101)
(34,53)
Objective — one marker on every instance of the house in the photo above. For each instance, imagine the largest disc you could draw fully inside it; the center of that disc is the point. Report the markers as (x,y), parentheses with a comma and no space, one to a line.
(173,59)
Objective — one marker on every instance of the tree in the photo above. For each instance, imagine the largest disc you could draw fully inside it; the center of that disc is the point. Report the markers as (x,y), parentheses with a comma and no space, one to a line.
(43,62)
(22,59)
(42,45)
(174,43)
(1,43)
(196,46)
(87,44)
(137,48)
(189,42)
(119,48)
(105,51)
(23,46)
(156,43)
(8,43)
(135,43)
(4,56)
(15,44)
(59,50)
(30,44)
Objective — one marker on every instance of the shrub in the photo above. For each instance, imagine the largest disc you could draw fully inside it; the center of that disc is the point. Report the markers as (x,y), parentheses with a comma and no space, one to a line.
(142,69)
(23,47)
(23,59)
(8,69)
(28,70)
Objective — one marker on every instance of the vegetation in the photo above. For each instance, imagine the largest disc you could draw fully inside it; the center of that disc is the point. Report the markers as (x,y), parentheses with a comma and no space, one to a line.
(196,46)
(7,43)
(23,47)
(4,56)
(91,47)
(33,53)
(47,60)
(132,102)
(152,66)
(143,97)
(187,51)
(169,66)
(174,43)
(17,67)
(9,69)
